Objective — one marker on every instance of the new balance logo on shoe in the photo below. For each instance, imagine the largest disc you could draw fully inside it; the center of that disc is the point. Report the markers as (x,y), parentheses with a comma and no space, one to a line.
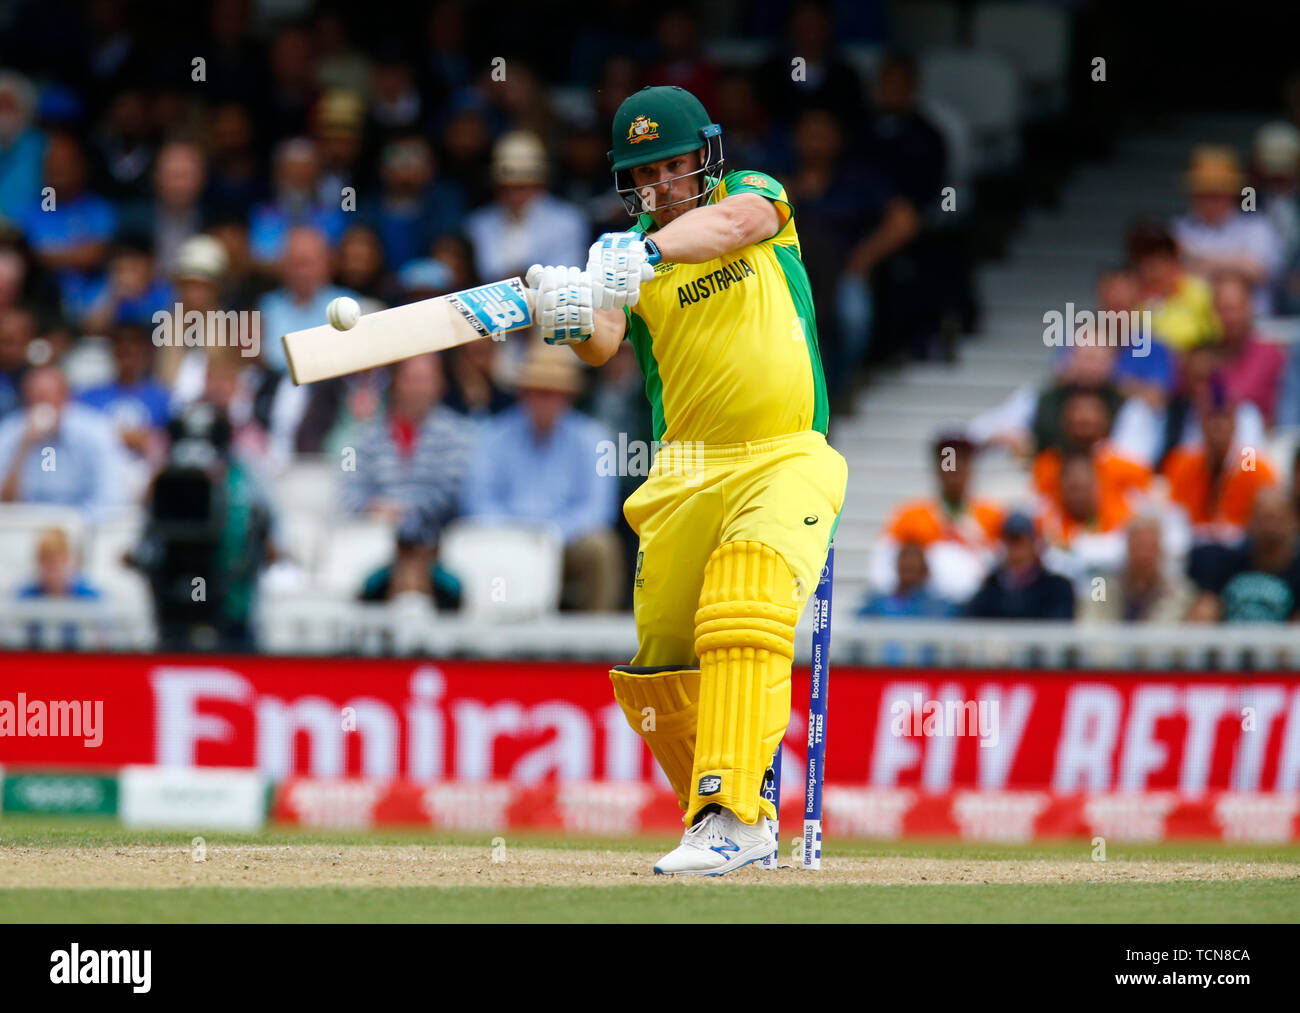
(710,784)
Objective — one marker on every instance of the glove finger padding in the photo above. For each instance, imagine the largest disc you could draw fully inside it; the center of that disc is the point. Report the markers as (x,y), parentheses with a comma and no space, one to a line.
(564,303)
(615,263)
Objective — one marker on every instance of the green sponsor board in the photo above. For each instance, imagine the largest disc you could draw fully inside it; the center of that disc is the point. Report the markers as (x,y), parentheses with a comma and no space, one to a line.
(71,794)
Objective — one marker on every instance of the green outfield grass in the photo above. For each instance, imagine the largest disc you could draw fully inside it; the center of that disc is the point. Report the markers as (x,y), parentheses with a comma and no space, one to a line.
(1267,899)
(1259,901)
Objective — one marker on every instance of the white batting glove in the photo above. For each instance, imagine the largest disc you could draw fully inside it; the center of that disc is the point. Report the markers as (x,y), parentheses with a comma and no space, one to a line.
(618,262)
(563,303)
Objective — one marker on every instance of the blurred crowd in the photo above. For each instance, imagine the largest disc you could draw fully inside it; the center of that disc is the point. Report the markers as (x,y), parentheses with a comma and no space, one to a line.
(1163,465)
(174,198)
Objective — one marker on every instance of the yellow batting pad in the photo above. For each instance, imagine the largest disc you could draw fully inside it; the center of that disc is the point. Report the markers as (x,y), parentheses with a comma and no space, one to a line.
(661,707)
(744,636)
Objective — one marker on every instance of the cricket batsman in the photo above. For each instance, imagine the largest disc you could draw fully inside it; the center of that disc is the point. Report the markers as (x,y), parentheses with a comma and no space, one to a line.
(737,513)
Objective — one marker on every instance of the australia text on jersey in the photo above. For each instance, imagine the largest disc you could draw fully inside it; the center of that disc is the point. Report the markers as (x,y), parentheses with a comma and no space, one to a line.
(701,288)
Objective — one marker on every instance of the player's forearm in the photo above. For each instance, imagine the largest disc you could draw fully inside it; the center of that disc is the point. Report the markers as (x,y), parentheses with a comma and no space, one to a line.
(709,232)
(598,349)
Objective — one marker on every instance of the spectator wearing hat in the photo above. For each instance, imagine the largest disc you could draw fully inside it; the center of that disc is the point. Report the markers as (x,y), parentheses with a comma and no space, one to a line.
(338,128)
(411,459)
(958,531)
(58,451)
(1020,587)
(1216,480)
(1216,235)
(1181,304)
(538,461)
(524,224)
(198,276)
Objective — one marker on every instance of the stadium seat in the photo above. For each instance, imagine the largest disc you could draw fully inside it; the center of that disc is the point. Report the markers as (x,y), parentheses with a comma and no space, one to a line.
(1036,40)
(111,540)
(507,571)
(21,525)
(984,88)
(309,483)
(299,534)
(352,551)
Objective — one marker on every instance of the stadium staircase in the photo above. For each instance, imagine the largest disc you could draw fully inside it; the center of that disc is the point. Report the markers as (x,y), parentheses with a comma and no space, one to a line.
(1054,257)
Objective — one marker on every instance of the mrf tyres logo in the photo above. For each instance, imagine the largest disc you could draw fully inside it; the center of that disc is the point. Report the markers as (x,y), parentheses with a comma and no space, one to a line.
(75,966)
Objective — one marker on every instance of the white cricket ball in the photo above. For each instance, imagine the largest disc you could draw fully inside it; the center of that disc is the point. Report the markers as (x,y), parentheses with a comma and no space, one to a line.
(343,313)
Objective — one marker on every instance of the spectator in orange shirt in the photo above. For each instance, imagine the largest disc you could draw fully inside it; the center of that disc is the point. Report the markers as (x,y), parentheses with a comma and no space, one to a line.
(1083,535)
(1216,480)
(953,516)
(1082,510)
(959,533)
(1085,421)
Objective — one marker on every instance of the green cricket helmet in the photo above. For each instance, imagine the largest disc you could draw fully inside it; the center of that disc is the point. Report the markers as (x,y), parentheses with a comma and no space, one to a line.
(658,122)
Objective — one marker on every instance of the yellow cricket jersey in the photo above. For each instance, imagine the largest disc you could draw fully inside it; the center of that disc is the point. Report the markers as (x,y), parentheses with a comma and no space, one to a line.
(728,348)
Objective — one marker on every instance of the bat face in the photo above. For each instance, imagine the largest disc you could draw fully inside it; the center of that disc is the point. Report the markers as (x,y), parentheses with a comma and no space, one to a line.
(401,332)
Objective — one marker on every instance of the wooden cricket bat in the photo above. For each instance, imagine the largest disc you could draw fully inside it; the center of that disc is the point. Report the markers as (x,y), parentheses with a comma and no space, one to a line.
(390,335)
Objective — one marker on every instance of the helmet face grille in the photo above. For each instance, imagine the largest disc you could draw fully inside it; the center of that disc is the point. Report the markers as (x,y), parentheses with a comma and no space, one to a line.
(711,138)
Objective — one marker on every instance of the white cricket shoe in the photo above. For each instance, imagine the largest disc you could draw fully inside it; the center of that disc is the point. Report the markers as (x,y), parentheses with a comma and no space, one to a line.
(716,845)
